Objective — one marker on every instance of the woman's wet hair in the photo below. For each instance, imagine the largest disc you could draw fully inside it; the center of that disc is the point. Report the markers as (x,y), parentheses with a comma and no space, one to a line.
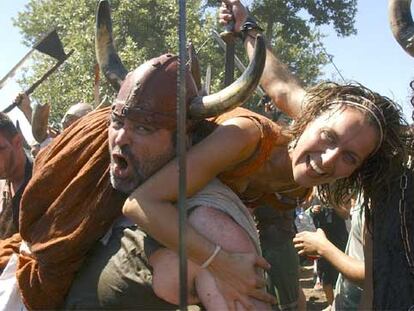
(380,111)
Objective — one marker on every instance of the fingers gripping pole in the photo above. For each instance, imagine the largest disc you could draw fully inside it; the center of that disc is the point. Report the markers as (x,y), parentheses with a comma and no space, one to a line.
(181,152)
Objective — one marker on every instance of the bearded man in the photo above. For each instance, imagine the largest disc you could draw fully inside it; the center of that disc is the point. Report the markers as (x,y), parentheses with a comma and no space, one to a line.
(15,172)
(141,140)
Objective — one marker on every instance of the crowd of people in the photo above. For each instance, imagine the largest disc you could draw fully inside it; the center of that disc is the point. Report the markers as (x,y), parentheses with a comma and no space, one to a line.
(91,224)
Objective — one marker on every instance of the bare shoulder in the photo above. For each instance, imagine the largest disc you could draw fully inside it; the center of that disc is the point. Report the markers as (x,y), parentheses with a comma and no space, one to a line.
(239,134)
(245,127)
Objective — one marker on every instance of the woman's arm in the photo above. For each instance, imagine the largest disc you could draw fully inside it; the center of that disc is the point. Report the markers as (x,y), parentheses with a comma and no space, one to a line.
(151,205)
(277,81)
(316,243)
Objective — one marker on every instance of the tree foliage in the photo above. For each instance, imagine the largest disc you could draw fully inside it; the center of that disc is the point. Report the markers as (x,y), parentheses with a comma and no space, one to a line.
(147,28)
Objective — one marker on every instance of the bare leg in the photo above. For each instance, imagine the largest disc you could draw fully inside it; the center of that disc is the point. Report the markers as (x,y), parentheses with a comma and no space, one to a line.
(219,228)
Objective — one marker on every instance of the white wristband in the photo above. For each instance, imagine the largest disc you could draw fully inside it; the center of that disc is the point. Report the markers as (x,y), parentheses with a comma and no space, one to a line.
(211,258)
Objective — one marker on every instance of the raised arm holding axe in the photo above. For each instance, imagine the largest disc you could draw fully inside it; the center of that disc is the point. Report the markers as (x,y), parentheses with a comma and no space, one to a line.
(281,86)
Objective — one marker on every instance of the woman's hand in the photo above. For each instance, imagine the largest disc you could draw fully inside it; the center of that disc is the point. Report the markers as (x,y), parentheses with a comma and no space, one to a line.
(232,10)
(239,278)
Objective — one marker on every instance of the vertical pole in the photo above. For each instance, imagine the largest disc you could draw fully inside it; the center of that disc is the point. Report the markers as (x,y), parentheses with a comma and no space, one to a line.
(181,152)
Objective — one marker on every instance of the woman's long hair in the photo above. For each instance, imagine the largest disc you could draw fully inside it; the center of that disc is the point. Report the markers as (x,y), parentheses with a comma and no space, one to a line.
(378,169)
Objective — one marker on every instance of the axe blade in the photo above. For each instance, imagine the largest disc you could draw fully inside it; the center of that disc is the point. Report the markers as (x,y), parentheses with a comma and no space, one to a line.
(51,45)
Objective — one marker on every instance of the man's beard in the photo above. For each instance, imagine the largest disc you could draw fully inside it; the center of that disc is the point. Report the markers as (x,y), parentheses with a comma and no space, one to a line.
(140,172)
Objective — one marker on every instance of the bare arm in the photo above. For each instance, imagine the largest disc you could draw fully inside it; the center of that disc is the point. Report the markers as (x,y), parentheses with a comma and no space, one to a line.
(368,293)
(25,106)
(152,207)
(317,243)
(282,87)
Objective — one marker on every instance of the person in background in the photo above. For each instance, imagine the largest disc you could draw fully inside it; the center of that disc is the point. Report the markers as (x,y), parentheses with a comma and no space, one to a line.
(74,113)
(15,173)
(349,263)
(276,232)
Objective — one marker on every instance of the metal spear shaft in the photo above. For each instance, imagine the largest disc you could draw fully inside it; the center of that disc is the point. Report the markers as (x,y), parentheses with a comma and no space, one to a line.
(181,152)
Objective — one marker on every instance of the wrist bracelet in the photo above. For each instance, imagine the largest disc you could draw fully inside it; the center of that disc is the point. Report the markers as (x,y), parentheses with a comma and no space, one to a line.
(249,24)
(211,258)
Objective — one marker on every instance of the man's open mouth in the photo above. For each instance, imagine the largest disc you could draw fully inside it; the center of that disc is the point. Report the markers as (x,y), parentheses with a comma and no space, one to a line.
(120,165)
(120,161)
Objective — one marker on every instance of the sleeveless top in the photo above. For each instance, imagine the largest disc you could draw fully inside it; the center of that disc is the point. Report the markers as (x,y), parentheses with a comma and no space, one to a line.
(270,133)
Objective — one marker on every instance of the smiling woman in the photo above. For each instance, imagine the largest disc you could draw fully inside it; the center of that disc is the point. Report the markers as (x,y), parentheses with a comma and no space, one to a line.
(333,146)
(366,129)
(345,135)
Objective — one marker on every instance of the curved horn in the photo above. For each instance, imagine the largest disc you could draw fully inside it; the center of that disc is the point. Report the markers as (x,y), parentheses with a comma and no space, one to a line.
(402,25)
(40,121)
(236,93)
(106,55)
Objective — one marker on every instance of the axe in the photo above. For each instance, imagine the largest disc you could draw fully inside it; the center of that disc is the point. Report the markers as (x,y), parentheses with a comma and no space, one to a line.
(51,45)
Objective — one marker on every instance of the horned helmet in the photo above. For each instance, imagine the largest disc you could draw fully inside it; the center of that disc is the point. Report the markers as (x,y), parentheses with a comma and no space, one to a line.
(148,93)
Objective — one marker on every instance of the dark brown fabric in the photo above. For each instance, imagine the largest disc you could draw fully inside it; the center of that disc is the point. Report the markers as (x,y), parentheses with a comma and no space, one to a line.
(66,207)
(28,168)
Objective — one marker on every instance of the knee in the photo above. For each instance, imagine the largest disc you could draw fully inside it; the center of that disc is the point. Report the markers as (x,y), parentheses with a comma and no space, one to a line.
(165,277)
(165,288)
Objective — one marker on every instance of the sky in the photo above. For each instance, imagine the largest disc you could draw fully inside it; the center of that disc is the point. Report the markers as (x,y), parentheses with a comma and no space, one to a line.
(372,57)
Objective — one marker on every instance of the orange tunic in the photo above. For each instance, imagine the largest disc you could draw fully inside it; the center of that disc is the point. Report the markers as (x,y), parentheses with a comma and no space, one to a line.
(270,134)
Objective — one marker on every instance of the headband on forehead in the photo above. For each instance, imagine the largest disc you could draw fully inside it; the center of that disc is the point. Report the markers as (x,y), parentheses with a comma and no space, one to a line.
(371,113)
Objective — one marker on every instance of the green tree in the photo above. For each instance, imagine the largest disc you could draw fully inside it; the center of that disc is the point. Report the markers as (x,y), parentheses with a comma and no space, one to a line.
(142,29)
(147,28)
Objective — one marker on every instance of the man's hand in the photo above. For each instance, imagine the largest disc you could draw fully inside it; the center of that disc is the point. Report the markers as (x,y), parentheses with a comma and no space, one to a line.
(232,10)
(310,243)
(239,278)
(24,105)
